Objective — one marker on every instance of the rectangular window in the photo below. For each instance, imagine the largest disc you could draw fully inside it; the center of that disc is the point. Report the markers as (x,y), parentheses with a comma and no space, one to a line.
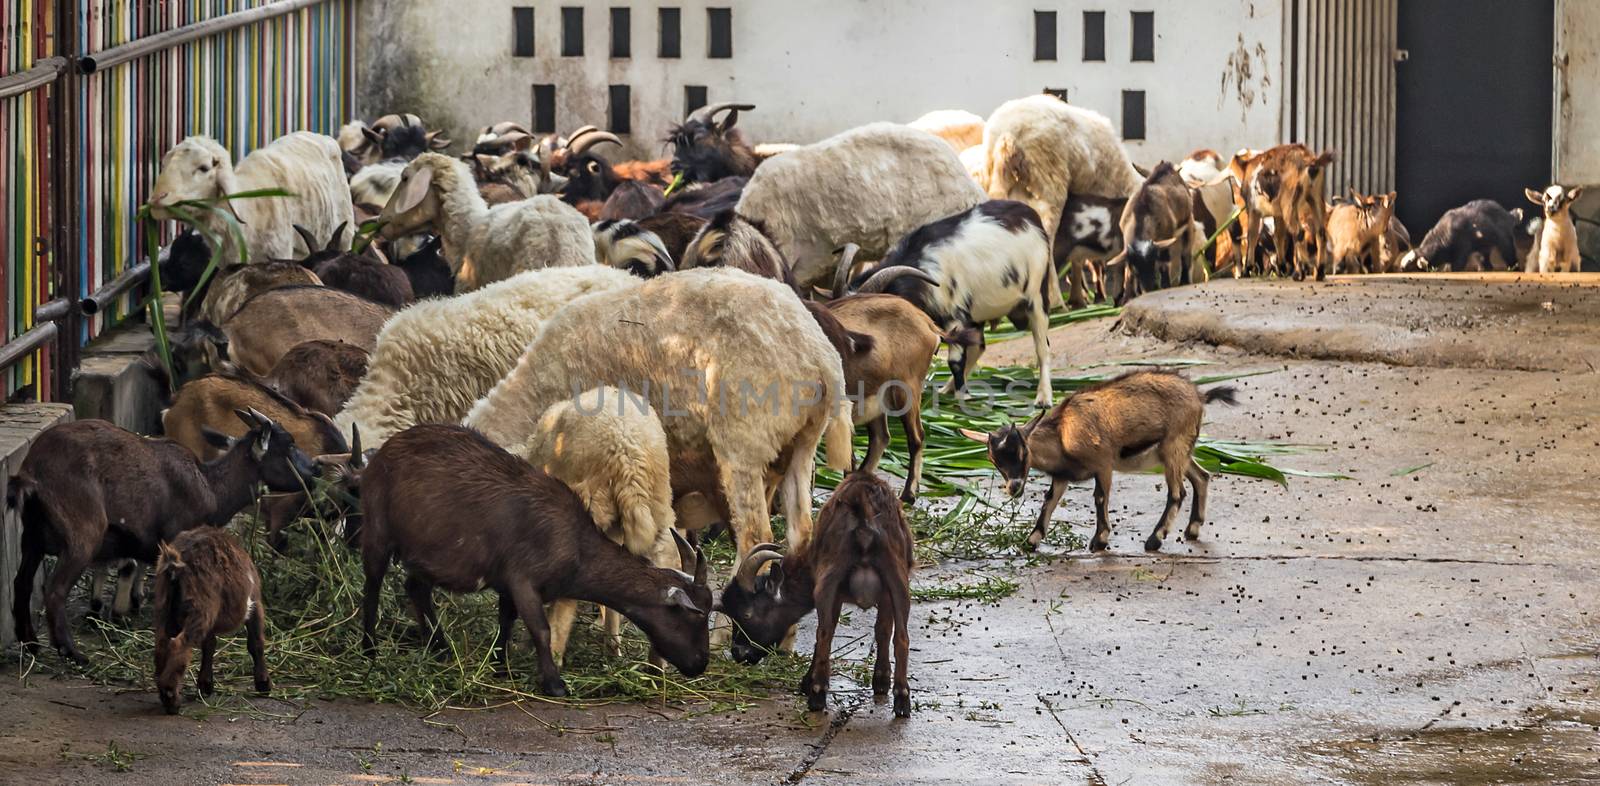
(1058,92)
(694,97)
(544,109)
(620,114)
(671,33)
(1133,114)
(522,31)
(719,26)
(571,32)
(621,33)
(1044,35)
(1144,36)
(1094,36)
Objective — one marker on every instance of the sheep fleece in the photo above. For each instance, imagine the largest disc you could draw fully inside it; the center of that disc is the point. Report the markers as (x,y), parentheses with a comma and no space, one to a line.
(1040,150)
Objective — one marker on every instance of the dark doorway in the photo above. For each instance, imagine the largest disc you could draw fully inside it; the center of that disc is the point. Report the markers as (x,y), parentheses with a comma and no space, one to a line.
(1472,104)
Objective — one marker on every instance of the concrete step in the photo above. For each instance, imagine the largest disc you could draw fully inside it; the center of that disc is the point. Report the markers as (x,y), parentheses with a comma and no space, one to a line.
(20,424)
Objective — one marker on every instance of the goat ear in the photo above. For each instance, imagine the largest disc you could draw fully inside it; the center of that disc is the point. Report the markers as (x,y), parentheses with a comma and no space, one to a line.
(216,438)
(412,192)
(975,436)
(1533,196)
(1573,193)
(437,142)
(373,135)
(775,576)
(676,596)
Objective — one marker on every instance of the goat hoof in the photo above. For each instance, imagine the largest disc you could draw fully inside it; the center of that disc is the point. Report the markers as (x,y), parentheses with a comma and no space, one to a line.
(908,496)
(902,704)
(206,688)
(805,685)
(817,702)
(71,653)
(880,685)
(263,687)
(1191,532)
(1152,544)
(1099,545)
(553,687)
(1032,543)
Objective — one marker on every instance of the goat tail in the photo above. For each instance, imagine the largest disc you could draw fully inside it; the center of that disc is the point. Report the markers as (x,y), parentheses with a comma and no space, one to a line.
(1005,166)
(17,492)
(840,436)
(1224,394)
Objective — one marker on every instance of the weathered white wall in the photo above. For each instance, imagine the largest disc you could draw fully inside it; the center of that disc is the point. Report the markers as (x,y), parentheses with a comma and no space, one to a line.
(817,67)
(1578,103)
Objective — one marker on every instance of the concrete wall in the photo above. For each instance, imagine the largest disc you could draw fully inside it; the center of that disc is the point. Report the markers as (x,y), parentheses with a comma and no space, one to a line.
(1578,99)
(817,67)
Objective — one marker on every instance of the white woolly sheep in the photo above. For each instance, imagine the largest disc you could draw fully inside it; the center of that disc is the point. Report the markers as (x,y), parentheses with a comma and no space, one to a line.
(869,186)
(304,164)
(610,449)
(1041,150)
(484,244)
(698,344)
(436,358)
(371,188)
(962,129)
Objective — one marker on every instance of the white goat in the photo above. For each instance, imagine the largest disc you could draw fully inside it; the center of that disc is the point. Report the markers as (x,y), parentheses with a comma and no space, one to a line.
(699,344)
(1557,251)
(962,129)
(436,358)
(484,244)
(610,449)
(869,186)
(306,165)
(1041,150)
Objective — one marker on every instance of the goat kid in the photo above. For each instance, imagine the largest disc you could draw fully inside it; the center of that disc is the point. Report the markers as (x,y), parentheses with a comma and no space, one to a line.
(1558,239)
(206,586)
(1128,424)
(861,553)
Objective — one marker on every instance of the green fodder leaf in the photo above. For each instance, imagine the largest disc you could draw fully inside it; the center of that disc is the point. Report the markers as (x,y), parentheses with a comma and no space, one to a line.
(1057,319)
(1400,473)
(364,235)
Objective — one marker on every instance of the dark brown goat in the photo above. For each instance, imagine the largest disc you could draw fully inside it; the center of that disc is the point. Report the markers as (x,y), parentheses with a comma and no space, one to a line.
(206,586)
(707,200)
(1127,424)
(632,199)
(861,553)
(705,149)
(90,493)
(429,273)
(320,375)
(460,512)
(675,230)
(359,274)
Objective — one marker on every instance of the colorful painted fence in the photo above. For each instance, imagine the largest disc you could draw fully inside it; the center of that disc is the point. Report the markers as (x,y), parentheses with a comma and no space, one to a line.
(78,154)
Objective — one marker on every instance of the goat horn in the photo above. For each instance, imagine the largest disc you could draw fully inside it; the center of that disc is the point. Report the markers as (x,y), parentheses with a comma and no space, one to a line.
(706,113)
(577,144)
(337,241)
(753,562)
(357,460)
(576,132)
(841,274)
(880,280)
(305,236)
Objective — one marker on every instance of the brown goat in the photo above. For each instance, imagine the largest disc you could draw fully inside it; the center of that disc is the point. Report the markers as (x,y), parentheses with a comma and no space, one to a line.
(887,377)
(233,286)
(1286,183)
(861,553)
(633,199)
(90,492)
(1356,228)
(1159,237)
(460,512)
(270,324)
(357,273)
(320,375)
(206,586)
(1128,424)
(730,241)
(676,230)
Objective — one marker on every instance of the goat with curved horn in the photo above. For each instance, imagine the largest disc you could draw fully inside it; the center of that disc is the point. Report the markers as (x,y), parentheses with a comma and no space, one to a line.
(589,137)
(879,281)
(758,556)
(841,274)
(707,113)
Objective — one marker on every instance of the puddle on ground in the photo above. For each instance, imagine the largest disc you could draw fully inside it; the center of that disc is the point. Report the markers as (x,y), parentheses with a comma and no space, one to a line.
(1552,752)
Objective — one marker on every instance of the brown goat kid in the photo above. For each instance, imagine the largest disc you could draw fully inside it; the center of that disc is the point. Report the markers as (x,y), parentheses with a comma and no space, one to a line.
(460,512)
(270,324)
(1128,424)
(1286,184)
(206,586)
(362,274)
(861,553)
(1356,229)
(90,492)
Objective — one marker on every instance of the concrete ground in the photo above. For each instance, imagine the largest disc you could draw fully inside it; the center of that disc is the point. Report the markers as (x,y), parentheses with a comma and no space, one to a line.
(1434,626)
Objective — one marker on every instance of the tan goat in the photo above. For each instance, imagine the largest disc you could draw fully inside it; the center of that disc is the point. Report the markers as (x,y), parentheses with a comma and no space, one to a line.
(1286,184)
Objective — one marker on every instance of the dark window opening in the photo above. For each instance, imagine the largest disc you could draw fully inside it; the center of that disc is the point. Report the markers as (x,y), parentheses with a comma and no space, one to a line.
(522,32)
(671,33)
(1044,35)
(544,109)
(572,32)
(1094,36)
(1058,92)
(694,97)
(1144,36)
(719,24)
(621,33)
(1133,114)
(620,117)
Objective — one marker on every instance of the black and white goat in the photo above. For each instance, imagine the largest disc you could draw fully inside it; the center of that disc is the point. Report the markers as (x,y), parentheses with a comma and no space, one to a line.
(984,263)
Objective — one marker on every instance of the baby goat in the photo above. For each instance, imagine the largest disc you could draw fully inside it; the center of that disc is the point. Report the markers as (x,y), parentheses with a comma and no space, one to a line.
(90,493)
(1128,424)
(460,512)
(1558,243)
(206,586)
(860,552)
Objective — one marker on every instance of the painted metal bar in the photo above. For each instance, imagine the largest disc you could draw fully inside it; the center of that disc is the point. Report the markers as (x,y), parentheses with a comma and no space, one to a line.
(44,72)
(117,55)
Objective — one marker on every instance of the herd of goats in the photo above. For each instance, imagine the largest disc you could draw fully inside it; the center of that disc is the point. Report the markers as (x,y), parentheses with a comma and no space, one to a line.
(564,369)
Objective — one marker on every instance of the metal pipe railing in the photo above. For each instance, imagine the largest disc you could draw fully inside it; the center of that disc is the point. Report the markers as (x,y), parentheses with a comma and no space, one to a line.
(132,276)
(44,330)
(43,72)
(134,50)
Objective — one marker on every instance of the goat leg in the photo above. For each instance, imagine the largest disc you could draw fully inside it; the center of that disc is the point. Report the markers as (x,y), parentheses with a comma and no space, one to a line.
(1200,481)
(420,591)
(68,569)
(882,630)
(255,627)
(559,616)
(369,603)
(530,607)
(877,441)
(816,681)
(900,592)
(502,638)
(97,592)
(1041,350)
(1174,471)
(22,596)
(206,682)
(1102,520)
(911,422)
(1058,487)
